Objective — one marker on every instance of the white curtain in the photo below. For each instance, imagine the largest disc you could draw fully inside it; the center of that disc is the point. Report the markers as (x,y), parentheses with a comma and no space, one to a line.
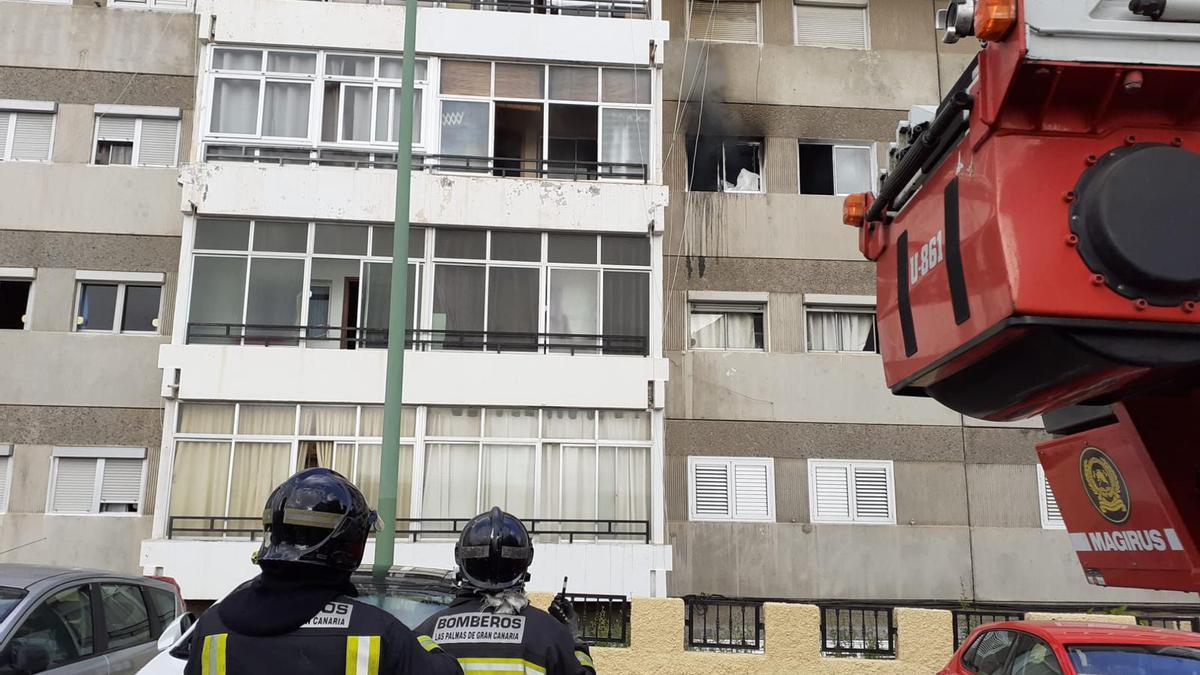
(625,425)
(508,479)
(707,330)
(568,423)
(199,479)
(568,485)
(739,331)
(624,485)
(573,302)
(325,420)
(626,136)
(371,424)
(205,418)
(840,331)
(451,480)
(511,423)
(286,110)
(366,476)
(356,113)
(267,420)
(235,106)
(452,422)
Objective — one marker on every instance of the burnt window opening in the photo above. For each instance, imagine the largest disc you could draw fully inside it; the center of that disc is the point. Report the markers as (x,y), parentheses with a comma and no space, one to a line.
(518,139)
(833,169)
(14,303)
(724,164)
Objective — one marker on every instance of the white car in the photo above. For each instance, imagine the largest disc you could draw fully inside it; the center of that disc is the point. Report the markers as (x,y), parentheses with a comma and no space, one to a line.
(411,594)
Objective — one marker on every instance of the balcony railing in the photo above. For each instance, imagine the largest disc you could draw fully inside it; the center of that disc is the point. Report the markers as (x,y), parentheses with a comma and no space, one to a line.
(555,169)
(341,337)
(619,9)
(417,529)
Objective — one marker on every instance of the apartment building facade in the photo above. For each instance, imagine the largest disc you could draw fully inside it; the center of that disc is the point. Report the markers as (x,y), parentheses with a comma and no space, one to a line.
(788,461)
(93,125)
(533,375)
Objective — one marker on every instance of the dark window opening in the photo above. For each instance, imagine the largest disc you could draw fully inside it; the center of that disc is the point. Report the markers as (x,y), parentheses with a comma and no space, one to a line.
(724,164)
(14,301)
(114,152)
(573,142)
(816,169)
(518,139)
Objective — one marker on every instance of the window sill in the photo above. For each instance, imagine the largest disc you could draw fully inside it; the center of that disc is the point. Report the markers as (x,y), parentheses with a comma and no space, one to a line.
(723,349)
(872,523)
(693,519)
(96,515)
(840,353)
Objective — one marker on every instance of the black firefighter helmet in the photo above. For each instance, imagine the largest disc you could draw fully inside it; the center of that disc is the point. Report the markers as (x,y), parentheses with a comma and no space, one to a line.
(316,517)
(494,551)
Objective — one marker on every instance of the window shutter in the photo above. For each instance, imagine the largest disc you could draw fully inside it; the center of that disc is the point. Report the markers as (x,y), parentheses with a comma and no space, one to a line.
(3,133)
(158,142)
(711,497)
(871,494)
(4,464)
(724,21)
(74,486)
(113,128)
(31,140)
(122,481)
(824,26)
(751,490)
(831,485)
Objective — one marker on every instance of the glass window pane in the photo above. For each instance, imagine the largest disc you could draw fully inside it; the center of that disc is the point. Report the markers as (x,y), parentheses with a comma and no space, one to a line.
(291,62)
(282,237)
(707,330)
(624,485)
(267,420)
(520,80)
(573,83)
(625,250)
(471,244)
(387,117)
(626,311)
(340,239)
(97,306)
(508,477)
(852,170)
(333,289)
(744,330)
(257,469)
(513,307)
(572,248)
(125,617)
(164,605)
(366,477)
(206,418)
(626,139)
(218,291)
(381,245)
(356,113)
(625,425)
(275,294)
(237,59)
(469,78)
(376,308)
(286,111)
(516,246)
(350,66)
(327,420)
(235,106)
(200,479)
(62,626)
(568,423)
(568,484)
(372,421)
(623,85)
(465,128)
(393,68)
(451,480)
(452,422)
(222,235)
(141,308)
(573,302)
(511,423)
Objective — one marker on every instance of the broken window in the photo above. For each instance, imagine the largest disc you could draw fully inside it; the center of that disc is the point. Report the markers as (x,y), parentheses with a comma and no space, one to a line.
(724,164)
(14,303)
(835,169)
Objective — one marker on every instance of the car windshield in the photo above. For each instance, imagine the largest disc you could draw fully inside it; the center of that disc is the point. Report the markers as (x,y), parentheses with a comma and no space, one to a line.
(411,606)
(1135,660)
(9,597)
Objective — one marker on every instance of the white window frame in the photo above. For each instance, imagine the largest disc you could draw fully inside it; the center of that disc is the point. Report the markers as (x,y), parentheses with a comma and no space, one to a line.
(862,5)
(121,280)
(751,307)
(11,108)
(1044,496)
(816,307)
(730,464)
(99,455)
(758,20)
(158,5)
(138,115)
(6,458)
(22,274)
(850,465)
(870,146)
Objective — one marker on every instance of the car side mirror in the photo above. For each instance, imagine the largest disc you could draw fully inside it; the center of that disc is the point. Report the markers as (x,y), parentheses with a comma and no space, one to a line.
(175,630)
(30,658)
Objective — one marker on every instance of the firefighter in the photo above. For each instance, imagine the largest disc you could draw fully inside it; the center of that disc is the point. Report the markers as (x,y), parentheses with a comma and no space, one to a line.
(300,615)
(491,626)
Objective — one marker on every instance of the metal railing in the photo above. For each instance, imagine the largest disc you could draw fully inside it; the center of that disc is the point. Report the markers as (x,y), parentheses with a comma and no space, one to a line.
(723,624)
(343,337)
(637,9)
(858,631)
(966,620)
(416,529)
(603,619)
(1190,624)
(511,167)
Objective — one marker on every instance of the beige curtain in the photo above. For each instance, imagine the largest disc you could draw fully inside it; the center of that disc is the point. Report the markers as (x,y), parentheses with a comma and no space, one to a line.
(200,478)
(625,425)
(327,420)
(257,469)
(569,423)
(205,418)
(343,459)
(371,425)
(366,476)
(452,422)
(315,453)
(511,423)
(267,420)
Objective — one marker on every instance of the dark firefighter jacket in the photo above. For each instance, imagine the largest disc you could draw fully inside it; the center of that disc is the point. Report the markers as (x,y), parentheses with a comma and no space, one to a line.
(270,626)
(530,642)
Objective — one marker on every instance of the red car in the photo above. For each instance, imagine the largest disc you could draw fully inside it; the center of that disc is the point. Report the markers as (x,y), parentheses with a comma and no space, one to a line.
(1075,648)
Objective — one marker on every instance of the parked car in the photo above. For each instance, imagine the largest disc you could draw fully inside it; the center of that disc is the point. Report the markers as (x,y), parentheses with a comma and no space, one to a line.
(81,622)
(411,594)
(1075,648)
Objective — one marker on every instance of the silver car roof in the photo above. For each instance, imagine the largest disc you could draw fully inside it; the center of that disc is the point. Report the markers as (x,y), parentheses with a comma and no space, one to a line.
(31,577)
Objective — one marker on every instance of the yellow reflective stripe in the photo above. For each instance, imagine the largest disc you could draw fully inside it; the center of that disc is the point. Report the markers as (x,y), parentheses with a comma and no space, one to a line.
(483,665)
(373,656)
(352,655)
(362,655)
(585,660)
(428,643)
(212,658)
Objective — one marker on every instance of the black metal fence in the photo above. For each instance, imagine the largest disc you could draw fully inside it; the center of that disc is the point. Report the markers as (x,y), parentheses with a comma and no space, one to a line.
(858,631)
(966,620)
(416,529)
(352,337)
(603,619)
(723,624)
(1184,623)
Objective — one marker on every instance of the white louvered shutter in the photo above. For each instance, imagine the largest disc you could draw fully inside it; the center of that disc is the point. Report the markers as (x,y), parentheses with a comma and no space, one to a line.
(4,117)
(5,463)
(121,482)
(111,128)
(1051,515)
(711,495)
(31,141)
(74,485)
(724,21)
(158,142)
(831,490)
(751,490)
(826,26)
(872,494)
